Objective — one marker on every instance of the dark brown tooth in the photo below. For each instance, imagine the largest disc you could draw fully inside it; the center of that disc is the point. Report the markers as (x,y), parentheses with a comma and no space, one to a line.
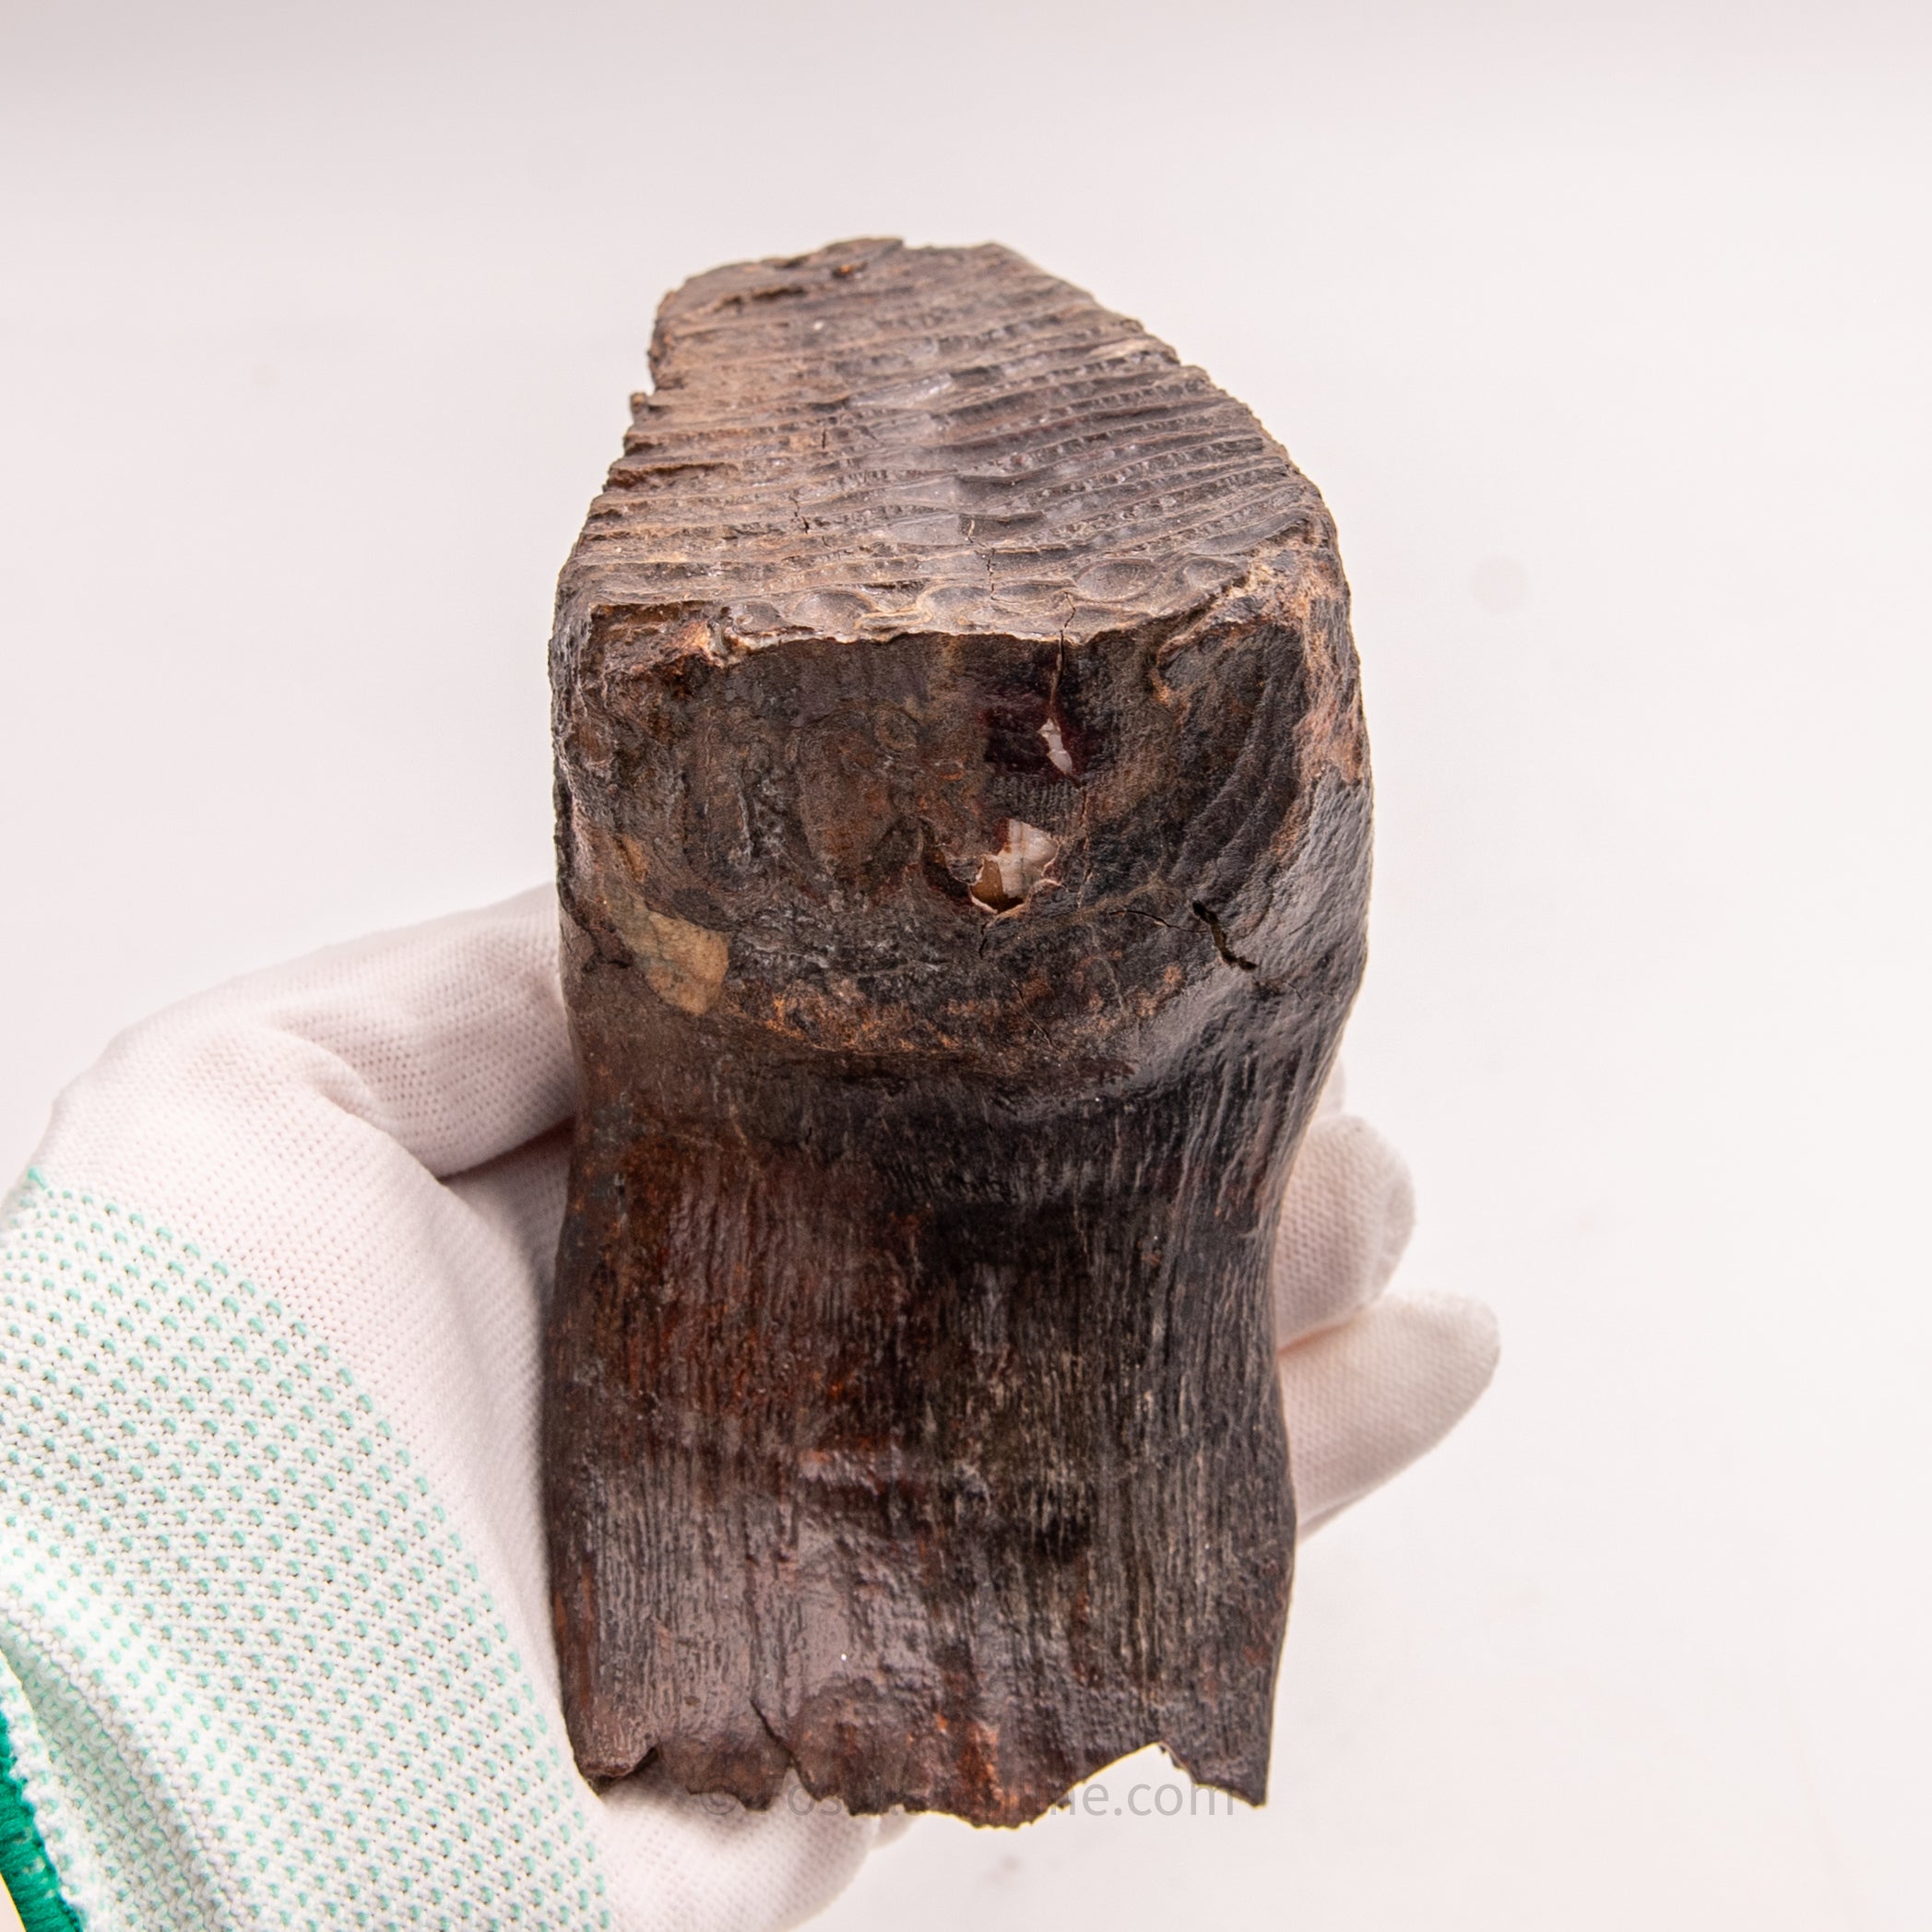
(963,848)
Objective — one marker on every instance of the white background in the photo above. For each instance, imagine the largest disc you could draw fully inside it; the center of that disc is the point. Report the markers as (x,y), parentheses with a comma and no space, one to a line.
(1605,330)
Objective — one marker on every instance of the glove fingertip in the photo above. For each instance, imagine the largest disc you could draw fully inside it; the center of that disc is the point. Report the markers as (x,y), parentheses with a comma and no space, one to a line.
(1366,1399)
(1345,1221)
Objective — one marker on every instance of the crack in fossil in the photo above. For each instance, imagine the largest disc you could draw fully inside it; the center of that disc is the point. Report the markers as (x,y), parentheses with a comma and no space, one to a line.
(1220,939)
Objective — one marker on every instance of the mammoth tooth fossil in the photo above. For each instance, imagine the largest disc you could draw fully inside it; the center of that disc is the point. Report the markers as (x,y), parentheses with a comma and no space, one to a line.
(963,843)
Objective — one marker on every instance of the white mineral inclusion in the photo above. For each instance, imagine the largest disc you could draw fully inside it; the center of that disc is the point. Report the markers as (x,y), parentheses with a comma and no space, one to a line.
(1008,877)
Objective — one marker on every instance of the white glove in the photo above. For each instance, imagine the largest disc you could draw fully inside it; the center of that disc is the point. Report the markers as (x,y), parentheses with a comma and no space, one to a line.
(274,1637)
(1368,1381)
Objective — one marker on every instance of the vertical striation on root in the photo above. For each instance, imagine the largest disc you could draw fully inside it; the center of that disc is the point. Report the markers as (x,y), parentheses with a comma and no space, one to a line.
(951,686)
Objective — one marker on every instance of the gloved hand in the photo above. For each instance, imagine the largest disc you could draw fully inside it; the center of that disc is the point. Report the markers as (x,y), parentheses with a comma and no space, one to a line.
(274,1639)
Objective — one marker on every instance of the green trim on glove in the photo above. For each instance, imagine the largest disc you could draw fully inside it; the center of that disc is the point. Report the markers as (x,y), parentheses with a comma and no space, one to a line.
(25,1869)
